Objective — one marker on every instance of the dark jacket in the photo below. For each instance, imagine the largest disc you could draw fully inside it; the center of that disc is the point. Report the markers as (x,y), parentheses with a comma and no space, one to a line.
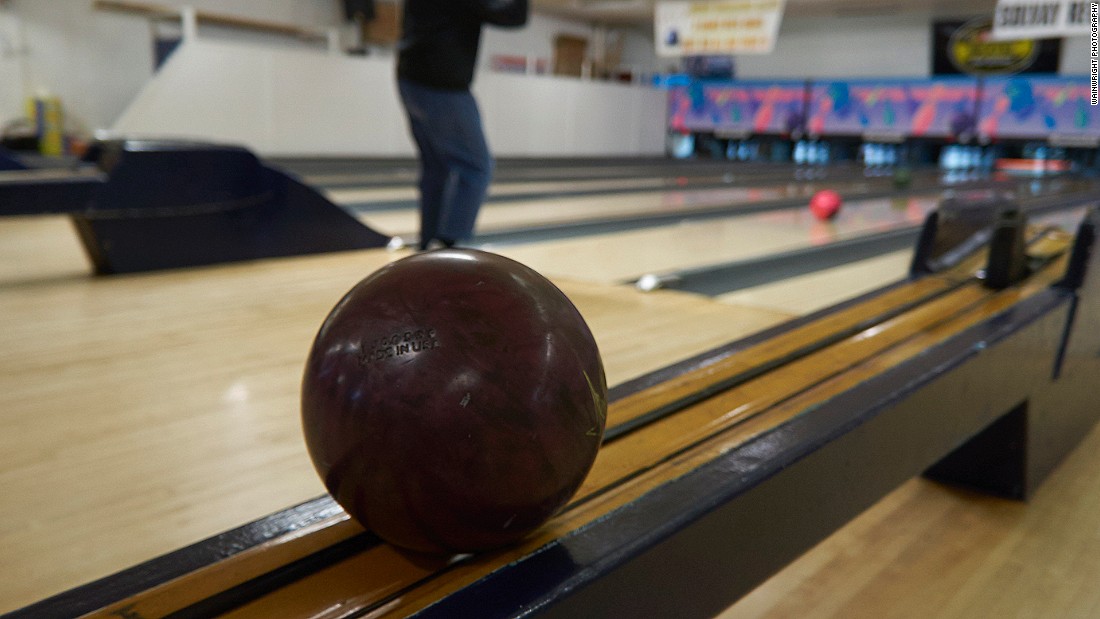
(440,38)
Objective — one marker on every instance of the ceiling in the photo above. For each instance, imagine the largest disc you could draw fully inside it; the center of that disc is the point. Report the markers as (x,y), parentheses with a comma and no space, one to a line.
(640,12)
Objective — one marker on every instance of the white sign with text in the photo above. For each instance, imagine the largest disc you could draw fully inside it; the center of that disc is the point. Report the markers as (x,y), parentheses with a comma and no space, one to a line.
(717,28)
(1033,19)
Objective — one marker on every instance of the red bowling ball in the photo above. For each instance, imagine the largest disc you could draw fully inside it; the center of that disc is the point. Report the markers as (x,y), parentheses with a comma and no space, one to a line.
(453,401)
(825,204)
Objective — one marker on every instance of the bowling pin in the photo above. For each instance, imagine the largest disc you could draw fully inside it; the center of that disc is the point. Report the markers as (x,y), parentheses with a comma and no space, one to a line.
(953,157)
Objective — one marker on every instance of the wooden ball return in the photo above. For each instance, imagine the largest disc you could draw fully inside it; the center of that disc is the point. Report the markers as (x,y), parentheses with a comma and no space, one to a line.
(979,369)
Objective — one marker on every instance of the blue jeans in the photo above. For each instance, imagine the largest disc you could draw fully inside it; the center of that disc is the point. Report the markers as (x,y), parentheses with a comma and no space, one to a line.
(455,164)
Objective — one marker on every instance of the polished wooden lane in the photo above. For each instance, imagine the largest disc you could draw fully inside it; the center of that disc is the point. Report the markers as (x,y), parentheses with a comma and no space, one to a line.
(625,256)
(144,413)
(846,180)
(666,190)
(363,173)
(507,215)
(513,189)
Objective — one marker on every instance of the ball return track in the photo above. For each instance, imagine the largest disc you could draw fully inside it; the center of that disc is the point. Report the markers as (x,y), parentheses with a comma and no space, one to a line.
(722,471)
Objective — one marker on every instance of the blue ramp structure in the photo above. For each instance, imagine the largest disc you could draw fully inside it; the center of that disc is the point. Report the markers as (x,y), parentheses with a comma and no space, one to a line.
(150,205)
(9,161)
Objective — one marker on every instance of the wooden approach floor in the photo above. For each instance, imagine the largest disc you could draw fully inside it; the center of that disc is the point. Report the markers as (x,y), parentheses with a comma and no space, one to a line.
(928,550)
(143,413)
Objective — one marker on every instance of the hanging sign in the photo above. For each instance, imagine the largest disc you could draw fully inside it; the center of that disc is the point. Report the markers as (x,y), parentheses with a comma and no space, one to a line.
(713,28)
(1034,19)
(974,52)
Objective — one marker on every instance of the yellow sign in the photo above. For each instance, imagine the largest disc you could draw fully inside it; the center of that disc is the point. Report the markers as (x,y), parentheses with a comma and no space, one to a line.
(717,28)
(973,50)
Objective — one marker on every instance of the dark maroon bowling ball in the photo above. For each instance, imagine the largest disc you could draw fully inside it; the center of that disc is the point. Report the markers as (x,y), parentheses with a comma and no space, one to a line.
(453,401)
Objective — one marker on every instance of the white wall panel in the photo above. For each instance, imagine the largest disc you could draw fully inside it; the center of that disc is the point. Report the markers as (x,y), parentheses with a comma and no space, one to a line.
(12,54)
(294,102)
(876,45)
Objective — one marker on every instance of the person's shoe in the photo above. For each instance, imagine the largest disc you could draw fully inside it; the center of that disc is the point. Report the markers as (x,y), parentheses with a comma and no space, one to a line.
(433,244)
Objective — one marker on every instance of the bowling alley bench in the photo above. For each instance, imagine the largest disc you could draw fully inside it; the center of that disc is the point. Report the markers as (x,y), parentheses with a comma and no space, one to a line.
(978,370)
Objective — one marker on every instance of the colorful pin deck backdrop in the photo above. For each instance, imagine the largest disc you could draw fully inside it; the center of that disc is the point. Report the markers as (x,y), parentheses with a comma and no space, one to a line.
(1037,107)
(1022,107)
(738,108)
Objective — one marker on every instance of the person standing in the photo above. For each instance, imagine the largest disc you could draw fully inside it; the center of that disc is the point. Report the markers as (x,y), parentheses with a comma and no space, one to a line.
(437,55)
